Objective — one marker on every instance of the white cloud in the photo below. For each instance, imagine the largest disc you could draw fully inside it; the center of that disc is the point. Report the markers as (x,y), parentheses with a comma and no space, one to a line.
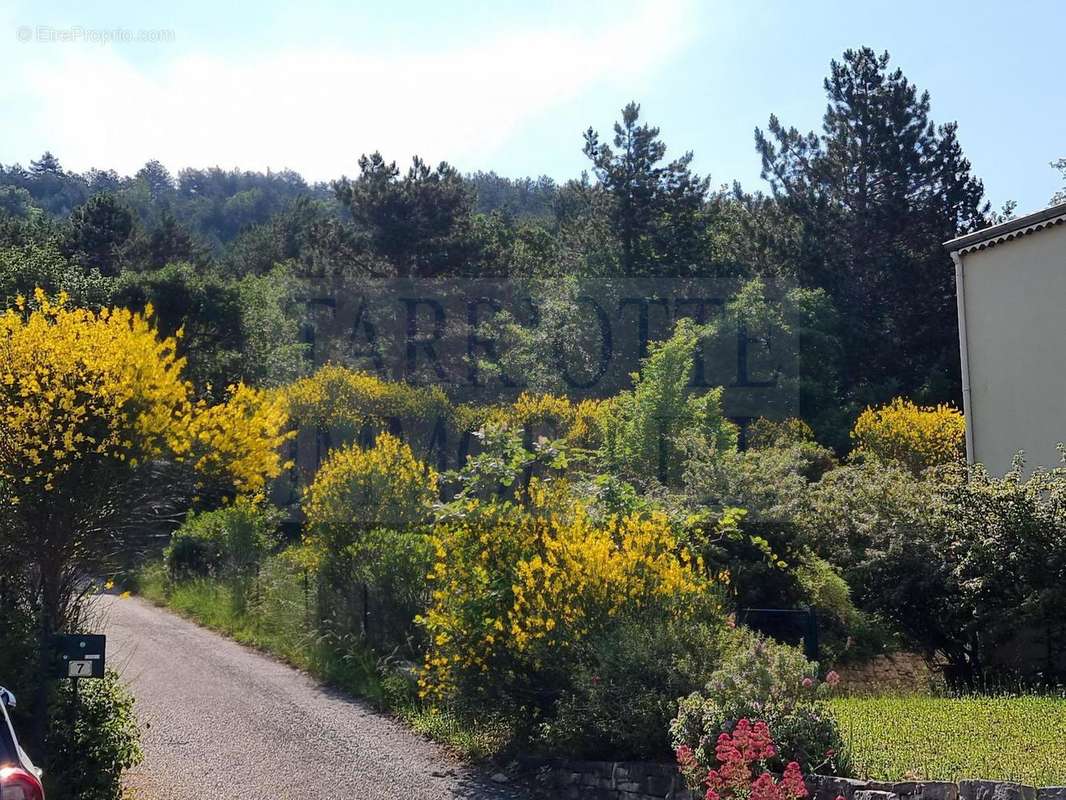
(316,110)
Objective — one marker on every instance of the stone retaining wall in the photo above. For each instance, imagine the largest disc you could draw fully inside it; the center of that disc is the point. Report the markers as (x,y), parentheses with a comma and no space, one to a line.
(614,780)
(896,672)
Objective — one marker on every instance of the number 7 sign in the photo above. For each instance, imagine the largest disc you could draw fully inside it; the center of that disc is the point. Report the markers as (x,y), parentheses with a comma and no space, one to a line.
(79,669)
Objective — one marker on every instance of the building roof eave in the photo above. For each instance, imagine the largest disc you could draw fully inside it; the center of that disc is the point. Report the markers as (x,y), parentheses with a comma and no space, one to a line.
(1005,231)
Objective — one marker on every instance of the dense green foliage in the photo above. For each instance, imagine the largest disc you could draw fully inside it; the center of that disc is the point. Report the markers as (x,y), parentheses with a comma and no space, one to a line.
(227,542)
(966,566)
(875,195)
(649,430)
(584,546)
(93,738)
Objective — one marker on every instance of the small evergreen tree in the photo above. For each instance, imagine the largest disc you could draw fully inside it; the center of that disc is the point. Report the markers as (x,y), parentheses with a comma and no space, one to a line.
(649,430)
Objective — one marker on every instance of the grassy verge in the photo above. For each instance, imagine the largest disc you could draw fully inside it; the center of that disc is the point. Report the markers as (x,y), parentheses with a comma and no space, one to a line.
(272,614)
(936,738)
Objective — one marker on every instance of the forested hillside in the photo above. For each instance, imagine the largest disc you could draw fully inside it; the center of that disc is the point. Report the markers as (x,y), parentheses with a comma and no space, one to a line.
(850,224)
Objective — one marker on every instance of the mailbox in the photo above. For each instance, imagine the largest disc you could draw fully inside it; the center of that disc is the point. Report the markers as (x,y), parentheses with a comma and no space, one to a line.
(80,655)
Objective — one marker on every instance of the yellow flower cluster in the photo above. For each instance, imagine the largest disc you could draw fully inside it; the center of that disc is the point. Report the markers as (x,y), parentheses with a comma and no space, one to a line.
(241,437)
(357,490)
(80,388)
(917,436)
(580,424)
(336,397)
(517,587)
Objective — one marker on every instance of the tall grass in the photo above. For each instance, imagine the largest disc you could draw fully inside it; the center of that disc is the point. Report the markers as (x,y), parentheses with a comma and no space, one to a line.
(1013,738)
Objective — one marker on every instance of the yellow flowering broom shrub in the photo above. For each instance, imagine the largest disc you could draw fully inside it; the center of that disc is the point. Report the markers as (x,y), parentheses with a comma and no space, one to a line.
(917,436)
(79,387)
(517,588)
(578,424)
(348,405)
(88,402)
(368,512)
(339,398)
(358,490)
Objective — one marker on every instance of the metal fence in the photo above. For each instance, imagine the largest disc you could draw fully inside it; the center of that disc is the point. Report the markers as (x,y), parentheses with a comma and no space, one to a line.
(789,625)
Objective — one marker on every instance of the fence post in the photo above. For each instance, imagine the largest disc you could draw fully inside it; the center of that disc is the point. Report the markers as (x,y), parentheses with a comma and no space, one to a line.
(810,638)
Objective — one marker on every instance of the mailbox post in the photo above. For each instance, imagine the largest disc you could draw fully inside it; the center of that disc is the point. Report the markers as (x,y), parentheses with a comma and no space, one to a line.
(79,656)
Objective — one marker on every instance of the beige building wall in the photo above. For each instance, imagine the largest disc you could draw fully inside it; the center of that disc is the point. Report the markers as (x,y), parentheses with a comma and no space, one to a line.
(1014,295)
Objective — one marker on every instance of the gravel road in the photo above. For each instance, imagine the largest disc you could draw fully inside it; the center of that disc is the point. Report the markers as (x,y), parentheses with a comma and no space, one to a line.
(221,721)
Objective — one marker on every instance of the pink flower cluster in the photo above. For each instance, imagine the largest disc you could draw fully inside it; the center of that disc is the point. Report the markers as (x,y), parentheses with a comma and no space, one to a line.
(734,777)
(832,680)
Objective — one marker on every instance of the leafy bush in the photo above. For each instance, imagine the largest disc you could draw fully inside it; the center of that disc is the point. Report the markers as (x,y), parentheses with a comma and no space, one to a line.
(760,679)
(772,559)
(1005,545)
(91,742)
(764,433)
(197,549)
(367,514)
(960,561)
(519,586)
(917,436)
(229,541)
(625,684)
(771,487)
(649,431)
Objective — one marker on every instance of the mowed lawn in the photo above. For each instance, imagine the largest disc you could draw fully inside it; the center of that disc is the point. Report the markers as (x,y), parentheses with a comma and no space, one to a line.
(933,738)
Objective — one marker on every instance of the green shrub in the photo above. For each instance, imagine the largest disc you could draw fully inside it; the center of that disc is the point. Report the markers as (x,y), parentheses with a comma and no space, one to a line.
(649,431)
(367,513)
(229,541)
(92,742)
(625,687)
(774,683)
(773,486)
(764,433)
(959,561)
(197,549)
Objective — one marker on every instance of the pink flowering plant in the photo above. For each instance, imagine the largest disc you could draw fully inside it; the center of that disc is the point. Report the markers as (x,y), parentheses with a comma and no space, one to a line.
(767,681)
(740,771)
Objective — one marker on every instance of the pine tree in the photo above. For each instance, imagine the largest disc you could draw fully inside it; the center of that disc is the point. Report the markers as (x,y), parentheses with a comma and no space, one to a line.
(877,193)
(47,164)
(420,223)
(656,208)
(157,178)
(98,230)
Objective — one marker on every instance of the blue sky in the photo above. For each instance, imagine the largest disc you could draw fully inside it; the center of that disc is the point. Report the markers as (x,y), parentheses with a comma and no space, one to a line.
(511,86)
